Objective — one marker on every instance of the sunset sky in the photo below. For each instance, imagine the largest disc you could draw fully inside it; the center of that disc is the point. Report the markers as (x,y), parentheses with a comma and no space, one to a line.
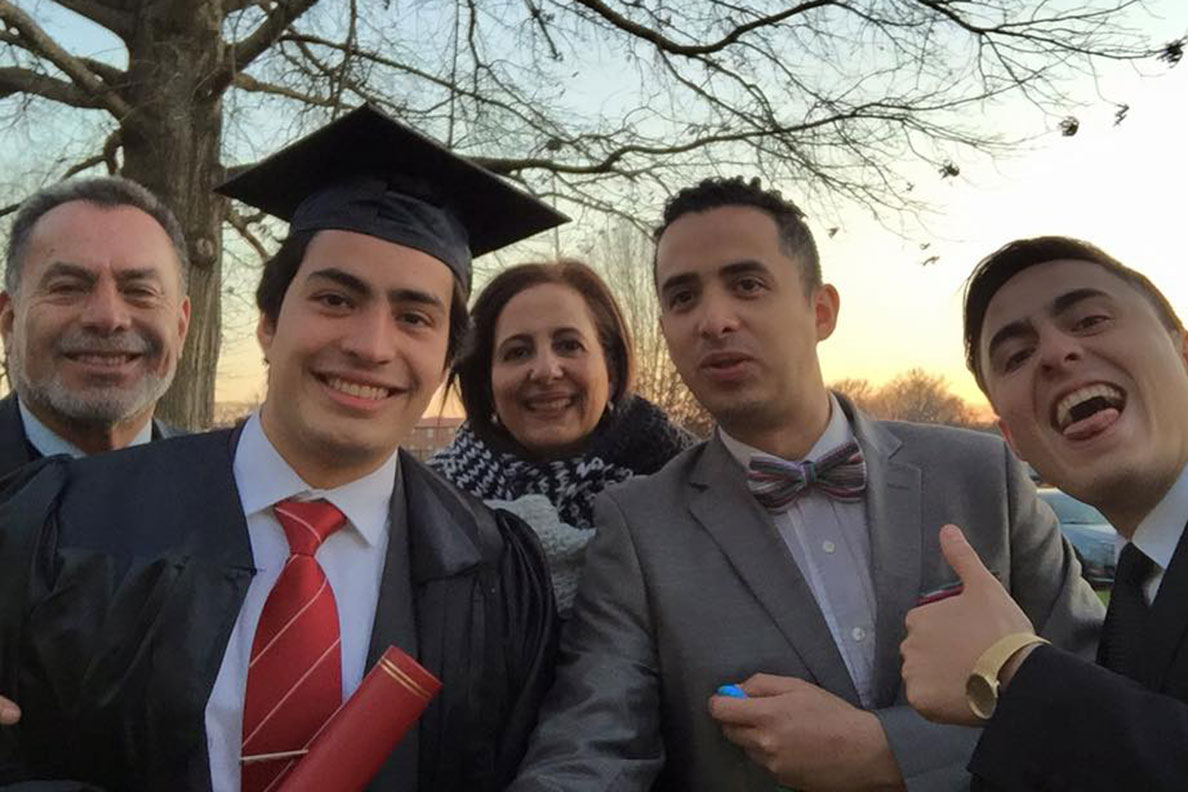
(1119,186)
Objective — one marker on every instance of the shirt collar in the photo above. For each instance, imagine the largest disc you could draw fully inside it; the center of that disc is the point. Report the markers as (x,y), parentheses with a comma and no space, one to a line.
(1159,532)
(48,442)
(264,478)
(837,432)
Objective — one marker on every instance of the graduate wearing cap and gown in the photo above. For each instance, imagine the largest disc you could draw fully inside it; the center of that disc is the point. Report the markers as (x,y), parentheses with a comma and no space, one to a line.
(132,585)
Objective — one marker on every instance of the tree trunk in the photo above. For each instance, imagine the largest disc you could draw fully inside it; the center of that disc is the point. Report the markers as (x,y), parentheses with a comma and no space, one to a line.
(171,145)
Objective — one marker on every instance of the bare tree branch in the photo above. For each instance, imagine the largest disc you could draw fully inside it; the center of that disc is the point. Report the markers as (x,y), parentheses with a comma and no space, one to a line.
(240,224)
(107,15)
(80,166)
(248,83)
(36,40)
(666,44)
(851,102)
(230,6)
(241,54)
(105,71)
(86,164)
(342,75)
(14,79)
(525,115)
(111,149)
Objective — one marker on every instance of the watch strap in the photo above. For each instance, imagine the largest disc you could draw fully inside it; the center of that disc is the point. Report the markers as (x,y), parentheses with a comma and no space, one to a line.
(983,681)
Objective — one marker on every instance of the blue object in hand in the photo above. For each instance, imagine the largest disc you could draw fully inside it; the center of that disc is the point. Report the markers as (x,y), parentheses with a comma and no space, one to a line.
(733,691)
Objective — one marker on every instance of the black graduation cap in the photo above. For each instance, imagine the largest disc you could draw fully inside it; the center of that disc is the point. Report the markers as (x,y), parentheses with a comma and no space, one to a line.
(365,172)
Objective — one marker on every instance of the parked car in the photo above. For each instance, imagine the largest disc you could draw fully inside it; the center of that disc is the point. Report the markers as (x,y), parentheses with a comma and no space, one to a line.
(1093,538)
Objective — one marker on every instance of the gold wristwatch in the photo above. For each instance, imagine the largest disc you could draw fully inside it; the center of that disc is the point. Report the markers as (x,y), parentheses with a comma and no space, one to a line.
(981,689)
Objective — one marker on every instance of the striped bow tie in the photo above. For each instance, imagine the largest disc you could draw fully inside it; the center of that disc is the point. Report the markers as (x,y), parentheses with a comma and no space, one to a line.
(840,474)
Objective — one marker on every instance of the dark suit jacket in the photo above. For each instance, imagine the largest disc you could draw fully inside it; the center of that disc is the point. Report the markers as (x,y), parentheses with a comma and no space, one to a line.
(688,586)
(15,449)
(1066,724)
(121,578)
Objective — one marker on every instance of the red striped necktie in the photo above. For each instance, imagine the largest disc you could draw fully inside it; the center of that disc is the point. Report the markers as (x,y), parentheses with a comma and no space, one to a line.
(294,680)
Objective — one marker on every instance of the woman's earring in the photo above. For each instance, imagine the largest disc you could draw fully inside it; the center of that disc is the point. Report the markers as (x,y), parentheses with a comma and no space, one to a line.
(494,419)
(610,406)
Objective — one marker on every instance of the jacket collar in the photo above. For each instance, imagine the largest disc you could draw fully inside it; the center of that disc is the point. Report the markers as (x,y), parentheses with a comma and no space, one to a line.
(445,537)
(15,451)
(721,502)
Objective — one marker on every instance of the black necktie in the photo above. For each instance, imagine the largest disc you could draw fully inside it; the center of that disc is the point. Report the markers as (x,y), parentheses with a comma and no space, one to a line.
(1122,634)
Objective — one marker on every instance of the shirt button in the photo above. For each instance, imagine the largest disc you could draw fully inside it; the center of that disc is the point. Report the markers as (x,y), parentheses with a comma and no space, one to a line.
(858,633)
(828,546)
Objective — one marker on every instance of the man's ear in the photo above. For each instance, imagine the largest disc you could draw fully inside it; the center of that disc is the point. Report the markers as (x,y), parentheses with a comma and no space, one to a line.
(1006,435)
(826,304)
(265,333)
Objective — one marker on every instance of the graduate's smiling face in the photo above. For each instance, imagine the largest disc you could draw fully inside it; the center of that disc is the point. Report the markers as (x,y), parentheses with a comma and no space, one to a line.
(355,353)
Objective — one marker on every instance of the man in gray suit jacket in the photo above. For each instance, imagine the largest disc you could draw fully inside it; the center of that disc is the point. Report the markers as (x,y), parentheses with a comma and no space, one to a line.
(692,584)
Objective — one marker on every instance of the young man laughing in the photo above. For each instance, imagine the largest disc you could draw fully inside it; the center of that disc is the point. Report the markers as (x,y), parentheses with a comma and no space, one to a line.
(1086,364)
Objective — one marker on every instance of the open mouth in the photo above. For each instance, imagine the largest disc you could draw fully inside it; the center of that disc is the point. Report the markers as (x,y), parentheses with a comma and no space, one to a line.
(356,390)
(1088,408)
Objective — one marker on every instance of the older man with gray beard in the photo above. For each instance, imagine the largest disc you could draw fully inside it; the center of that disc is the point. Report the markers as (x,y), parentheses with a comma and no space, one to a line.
(93,315)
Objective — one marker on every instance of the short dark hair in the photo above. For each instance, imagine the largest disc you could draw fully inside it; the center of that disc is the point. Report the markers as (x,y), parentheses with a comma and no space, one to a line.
(282,267)
(109,192)
(796,239)
(992,273)
(472,372)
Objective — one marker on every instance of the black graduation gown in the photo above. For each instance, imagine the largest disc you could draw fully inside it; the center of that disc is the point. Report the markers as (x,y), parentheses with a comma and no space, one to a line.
(121,579)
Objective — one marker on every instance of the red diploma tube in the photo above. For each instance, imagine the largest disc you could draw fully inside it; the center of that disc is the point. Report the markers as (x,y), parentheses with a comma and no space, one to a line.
(352,746)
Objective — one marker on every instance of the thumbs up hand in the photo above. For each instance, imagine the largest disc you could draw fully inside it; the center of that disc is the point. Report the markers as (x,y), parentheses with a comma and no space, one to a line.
(945,638)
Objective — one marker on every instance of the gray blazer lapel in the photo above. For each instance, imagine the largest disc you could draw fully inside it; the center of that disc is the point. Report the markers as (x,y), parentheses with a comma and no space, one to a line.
(725,507)
(893,518)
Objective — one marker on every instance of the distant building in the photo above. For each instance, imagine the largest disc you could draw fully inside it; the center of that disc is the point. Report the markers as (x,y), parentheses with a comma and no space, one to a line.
(430,435)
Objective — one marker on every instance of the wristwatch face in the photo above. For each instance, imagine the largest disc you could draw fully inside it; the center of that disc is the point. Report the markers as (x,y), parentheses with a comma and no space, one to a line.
(982,694)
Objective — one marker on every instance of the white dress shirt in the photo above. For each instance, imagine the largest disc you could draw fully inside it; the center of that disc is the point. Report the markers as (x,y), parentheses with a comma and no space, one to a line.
(352,558)
(48,442)
(830,543)
(1159,532)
